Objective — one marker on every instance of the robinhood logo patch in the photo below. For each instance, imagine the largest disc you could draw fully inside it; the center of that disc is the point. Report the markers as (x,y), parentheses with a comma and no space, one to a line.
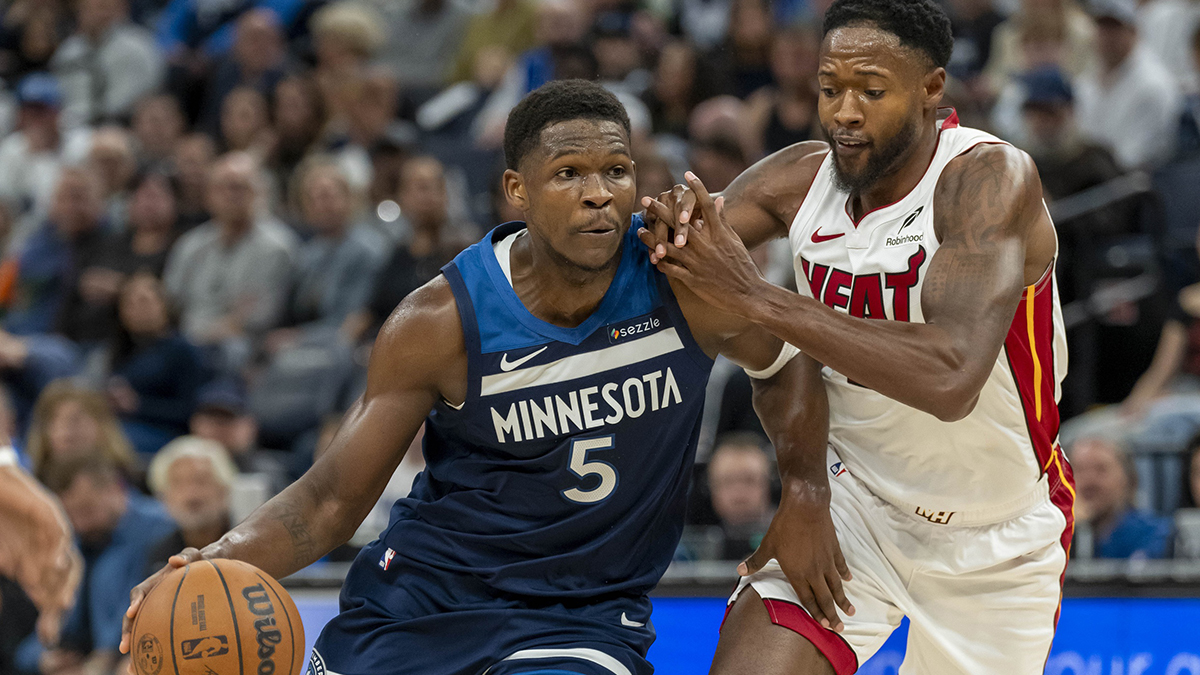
(911,237)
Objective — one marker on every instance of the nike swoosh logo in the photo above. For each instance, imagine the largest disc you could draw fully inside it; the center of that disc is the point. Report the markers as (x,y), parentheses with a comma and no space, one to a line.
(817,237)
(507,365)
(632,624)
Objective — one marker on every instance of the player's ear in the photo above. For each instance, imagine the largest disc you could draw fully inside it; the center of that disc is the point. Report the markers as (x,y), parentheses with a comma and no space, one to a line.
(935,87)
(514,190)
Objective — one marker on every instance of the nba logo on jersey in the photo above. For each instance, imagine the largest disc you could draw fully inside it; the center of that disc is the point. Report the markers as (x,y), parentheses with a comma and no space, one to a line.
(837,469)
(387,559)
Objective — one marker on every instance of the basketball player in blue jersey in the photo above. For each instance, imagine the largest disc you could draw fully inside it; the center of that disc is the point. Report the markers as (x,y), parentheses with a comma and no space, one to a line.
(560,380)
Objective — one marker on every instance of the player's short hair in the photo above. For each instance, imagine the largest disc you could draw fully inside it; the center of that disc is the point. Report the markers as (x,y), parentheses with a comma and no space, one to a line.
(554,102)
(920,24)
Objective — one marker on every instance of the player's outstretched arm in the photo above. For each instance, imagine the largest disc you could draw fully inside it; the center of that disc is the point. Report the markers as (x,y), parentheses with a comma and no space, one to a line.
(760,202)
(37,547)
(794,410)
(418,357)
(996,236)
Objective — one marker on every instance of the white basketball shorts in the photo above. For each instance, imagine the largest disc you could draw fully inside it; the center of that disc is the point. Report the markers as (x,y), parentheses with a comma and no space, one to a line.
(982,599)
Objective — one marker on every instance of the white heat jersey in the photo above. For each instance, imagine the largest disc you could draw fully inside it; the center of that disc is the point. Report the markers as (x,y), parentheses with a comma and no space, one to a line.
(988,466)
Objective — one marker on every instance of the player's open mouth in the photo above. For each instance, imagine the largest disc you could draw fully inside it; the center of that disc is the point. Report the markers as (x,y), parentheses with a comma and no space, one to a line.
(848,146)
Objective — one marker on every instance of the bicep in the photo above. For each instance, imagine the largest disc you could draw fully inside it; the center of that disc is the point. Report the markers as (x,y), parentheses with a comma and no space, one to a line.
(761,202)
(407,375)
(984,212)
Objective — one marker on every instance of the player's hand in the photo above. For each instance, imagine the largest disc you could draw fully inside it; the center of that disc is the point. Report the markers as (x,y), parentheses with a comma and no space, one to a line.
(802,539)
(715,264)
(674,210)
(139,592)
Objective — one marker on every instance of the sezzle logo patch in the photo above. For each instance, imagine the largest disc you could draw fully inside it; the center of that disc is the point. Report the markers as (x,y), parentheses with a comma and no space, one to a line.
(622,332)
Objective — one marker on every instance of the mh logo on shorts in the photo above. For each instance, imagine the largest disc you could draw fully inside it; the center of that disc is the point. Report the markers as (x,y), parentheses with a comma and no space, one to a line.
(936,517)
(837,469)
(386,560)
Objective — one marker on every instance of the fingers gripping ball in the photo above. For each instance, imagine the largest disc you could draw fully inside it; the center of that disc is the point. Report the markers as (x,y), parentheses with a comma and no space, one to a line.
(218,616)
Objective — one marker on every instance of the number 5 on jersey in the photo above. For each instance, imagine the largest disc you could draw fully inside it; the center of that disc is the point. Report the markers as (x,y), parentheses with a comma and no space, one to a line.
(580,466)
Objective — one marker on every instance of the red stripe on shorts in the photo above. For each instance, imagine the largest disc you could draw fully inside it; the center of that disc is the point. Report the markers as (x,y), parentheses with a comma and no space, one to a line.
(833,646)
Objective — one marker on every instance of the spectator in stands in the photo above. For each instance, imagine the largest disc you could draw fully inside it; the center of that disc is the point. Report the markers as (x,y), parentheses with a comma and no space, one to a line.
(70,422)
(785,112)
(257,60)
(1068,163)
(193,478)
(29,36)
(59,286)
(1106,481)
(298,119)
(192,161)
(1129,101)
(1188,144)
(335,269)
(229,277)
(196,30)
(371,119)
(423,38)
(748,47)
(115,527)
(151,229)
(511,25)
(158,125)
(561,27)
(222,416)
(974,23)
(346,36)
(32,157)
(718,159)
(431,243)
(246,123)
(1074,34)
(107,64)
(676,89)
(739,480)
(114,160)
(152,374)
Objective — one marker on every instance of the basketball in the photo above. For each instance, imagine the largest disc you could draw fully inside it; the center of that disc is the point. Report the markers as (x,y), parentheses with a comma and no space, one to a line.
(217,616)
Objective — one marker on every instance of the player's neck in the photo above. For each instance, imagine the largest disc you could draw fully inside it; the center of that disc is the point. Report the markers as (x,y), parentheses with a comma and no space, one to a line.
(555,290)
(897,183)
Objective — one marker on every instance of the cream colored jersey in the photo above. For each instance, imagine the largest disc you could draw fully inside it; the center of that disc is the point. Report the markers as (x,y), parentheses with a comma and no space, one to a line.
(999,461)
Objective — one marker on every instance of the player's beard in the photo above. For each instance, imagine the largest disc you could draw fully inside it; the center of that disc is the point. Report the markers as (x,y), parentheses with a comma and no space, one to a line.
(882,161)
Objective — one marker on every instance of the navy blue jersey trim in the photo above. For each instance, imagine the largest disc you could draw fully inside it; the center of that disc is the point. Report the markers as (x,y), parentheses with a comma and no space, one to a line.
(466,314)
(671,304)
(572,336)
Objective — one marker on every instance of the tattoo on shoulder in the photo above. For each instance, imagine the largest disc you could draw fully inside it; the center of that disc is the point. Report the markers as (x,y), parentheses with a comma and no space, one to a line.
(980,202)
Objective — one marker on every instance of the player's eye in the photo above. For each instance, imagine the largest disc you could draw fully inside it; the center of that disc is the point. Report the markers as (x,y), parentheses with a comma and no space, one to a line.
(617,172)
(828,92)
(874,93)
(567,173)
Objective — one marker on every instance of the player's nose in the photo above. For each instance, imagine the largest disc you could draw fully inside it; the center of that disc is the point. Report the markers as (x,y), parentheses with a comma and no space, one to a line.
(596,194)
(848,113)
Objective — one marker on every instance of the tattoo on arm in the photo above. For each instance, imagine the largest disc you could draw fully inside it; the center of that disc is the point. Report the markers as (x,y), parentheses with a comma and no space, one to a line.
(980,211)
(303,545)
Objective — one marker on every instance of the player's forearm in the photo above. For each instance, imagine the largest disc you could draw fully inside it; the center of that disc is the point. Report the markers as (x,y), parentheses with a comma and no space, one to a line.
(794,410)
(289,532)
(919,365)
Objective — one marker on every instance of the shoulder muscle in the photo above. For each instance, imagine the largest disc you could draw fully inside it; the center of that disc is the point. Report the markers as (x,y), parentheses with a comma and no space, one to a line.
(761,203)
(421,346)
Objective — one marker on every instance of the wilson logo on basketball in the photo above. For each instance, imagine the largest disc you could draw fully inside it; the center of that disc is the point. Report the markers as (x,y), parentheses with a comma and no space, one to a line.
(265,632)
(213,645)
(149,655)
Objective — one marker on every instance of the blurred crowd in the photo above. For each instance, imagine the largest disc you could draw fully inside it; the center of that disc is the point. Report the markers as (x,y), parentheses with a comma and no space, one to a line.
(209,207)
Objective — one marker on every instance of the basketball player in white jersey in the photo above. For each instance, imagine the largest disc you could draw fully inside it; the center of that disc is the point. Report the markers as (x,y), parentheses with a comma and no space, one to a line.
(924,256)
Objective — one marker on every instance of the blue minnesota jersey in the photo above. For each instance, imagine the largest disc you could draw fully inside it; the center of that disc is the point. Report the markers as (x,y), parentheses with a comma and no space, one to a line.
(564,473)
